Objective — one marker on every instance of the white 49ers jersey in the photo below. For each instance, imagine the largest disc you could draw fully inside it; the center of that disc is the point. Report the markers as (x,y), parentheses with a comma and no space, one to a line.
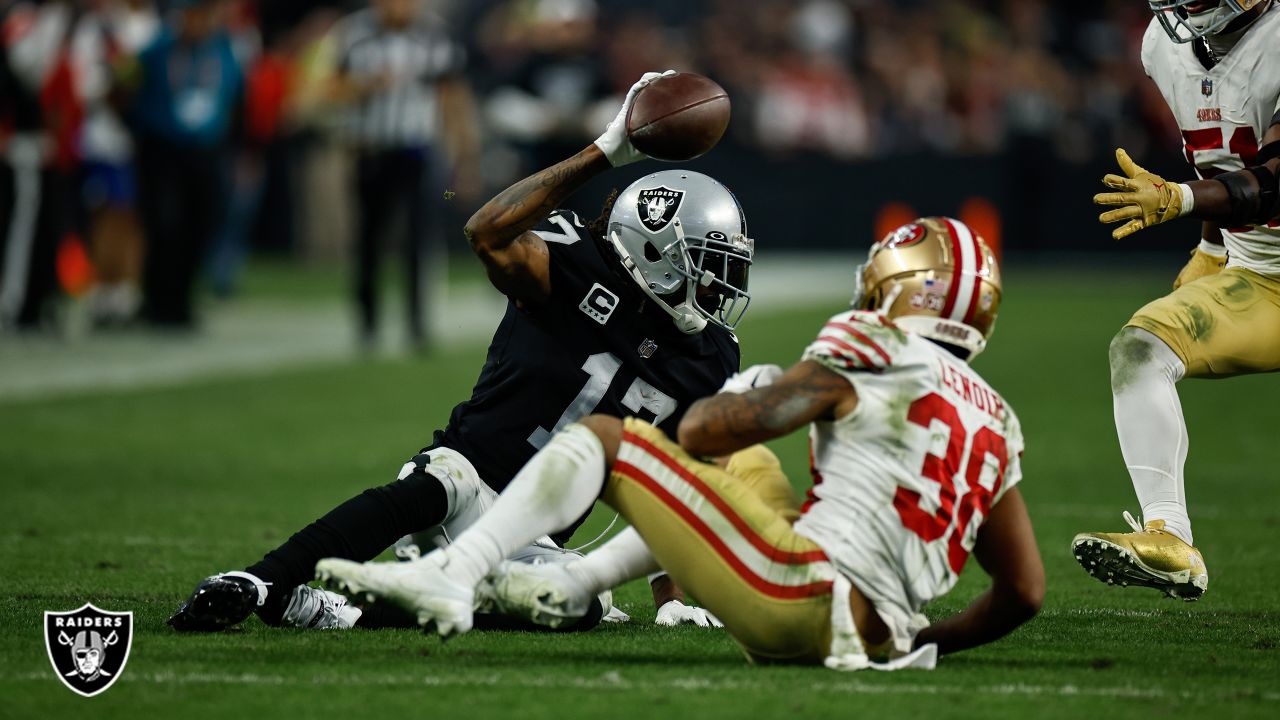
(1223,114)
(903,483)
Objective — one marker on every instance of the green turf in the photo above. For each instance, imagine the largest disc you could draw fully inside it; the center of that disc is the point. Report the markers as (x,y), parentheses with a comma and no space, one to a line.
(127,499)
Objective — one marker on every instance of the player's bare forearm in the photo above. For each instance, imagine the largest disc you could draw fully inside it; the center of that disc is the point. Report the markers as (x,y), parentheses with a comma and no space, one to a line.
(518,208)
(989,617)
(726,423)
(1006,549)
(1216,202)
(665,590)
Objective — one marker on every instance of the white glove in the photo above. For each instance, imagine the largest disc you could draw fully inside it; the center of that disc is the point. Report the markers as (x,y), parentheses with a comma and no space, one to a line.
(674,612)
(753,377)
(615,615)
(614,143)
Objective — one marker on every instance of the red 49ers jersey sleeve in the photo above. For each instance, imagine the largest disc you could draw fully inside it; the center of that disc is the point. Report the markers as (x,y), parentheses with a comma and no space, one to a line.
(856,341)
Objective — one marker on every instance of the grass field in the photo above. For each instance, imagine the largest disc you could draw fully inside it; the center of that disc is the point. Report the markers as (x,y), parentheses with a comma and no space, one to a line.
(127,498)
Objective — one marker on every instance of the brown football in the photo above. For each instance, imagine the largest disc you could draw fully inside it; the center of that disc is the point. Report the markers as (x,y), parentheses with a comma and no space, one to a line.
(678,117)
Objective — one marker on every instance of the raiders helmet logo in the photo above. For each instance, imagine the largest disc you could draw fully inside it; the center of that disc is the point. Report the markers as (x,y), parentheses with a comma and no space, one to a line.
(658,206)
(88,647)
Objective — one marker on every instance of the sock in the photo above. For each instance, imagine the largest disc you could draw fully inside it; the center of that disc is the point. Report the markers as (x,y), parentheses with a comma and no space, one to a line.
(1149,423)
(358,529)
(625,557)
(557,485)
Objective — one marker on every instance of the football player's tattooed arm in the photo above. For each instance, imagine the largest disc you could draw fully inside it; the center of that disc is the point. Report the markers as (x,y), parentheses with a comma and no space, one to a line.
(728,422)
(1006,549)
(515,258)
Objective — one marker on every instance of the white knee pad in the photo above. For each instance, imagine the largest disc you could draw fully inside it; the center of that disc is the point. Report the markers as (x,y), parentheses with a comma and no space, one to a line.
(467,496)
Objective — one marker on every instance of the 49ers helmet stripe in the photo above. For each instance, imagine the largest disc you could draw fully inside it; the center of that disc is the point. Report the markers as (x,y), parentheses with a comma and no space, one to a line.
(963,282)
(954,288)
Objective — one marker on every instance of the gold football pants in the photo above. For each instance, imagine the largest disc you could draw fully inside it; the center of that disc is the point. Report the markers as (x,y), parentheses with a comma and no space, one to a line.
(725,536)
(1219,325)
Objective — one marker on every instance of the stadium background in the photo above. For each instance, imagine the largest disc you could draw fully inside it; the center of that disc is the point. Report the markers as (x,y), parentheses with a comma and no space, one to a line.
(132,462)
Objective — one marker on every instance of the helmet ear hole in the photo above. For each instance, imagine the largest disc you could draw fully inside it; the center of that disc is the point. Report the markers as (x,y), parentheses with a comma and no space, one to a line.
(651,252)
(872,300)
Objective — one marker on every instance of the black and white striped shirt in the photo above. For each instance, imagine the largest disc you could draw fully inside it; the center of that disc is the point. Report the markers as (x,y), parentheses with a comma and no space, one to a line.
(405,114)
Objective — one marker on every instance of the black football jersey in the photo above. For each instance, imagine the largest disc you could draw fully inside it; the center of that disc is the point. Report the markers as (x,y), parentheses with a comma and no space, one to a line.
(595,346)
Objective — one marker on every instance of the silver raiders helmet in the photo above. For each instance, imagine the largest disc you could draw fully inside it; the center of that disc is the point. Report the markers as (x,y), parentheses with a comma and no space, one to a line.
(682,236)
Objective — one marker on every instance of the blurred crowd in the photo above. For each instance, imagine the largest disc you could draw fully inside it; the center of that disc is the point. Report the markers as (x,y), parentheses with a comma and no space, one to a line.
(149,145)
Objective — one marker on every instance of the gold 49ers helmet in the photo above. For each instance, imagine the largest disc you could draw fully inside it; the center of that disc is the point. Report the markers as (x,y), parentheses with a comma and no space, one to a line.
(935,277)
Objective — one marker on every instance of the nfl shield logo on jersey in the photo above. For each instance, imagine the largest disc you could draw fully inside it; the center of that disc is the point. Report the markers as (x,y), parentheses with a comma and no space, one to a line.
(658,206)
(647,348)
(88,647)
(1206,87)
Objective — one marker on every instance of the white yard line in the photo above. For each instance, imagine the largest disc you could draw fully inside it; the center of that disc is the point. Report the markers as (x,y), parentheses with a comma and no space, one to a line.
(614,680)
(260,336)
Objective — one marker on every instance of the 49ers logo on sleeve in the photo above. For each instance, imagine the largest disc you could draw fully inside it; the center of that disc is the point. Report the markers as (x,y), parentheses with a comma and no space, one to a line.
(88,647)
(658,206)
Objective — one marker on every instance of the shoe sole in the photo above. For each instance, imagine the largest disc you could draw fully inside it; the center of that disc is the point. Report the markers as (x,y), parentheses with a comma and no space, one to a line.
(362,596)
(215,606)
(1116,565)
(549,606)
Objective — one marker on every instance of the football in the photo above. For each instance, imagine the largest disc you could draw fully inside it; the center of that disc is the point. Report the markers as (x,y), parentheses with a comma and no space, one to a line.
(678,117)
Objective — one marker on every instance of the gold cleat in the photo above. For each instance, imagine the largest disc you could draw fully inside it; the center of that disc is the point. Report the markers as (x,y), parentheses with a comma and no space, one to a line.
(1149,556)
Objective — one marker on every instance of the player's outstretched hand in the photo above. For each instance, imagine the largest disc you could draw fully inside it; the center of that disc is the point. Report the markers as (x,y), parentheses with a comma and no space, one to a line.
(614,143)
(751,378)
(674,612)
(1146,198)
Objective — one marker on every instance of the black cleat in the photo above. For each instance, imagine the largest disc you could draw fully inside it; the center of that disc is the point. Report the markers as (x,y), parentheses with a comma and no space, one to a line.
(217,603)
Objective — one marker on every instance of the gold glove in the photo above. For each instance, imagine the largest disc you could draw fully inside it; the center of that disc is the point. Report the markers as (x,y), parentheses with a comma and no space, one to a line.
(1147,199)
(1201,264)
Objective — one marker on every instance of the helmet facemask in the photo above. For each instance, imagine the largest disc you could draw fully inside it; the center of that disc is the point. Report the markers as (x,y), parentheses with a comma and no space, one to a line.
(723,266)
(715,268)
(1182,26)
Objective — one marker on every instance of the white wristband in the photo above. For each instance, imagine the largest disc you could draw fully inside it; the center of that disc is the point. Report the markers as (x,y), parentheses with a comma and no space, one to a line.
(1188,199)
(1209,247)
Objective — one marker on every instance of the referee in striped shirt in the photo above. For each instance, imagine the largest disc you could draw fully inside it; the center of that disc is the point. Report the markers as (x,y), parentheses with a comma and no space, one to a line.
(401,74)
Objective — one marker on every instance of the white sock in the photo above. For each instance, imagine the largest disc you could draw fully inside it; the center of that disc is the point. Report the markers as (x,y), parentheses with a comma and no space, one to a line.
(625,557)
(556,487)
(1153,435)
